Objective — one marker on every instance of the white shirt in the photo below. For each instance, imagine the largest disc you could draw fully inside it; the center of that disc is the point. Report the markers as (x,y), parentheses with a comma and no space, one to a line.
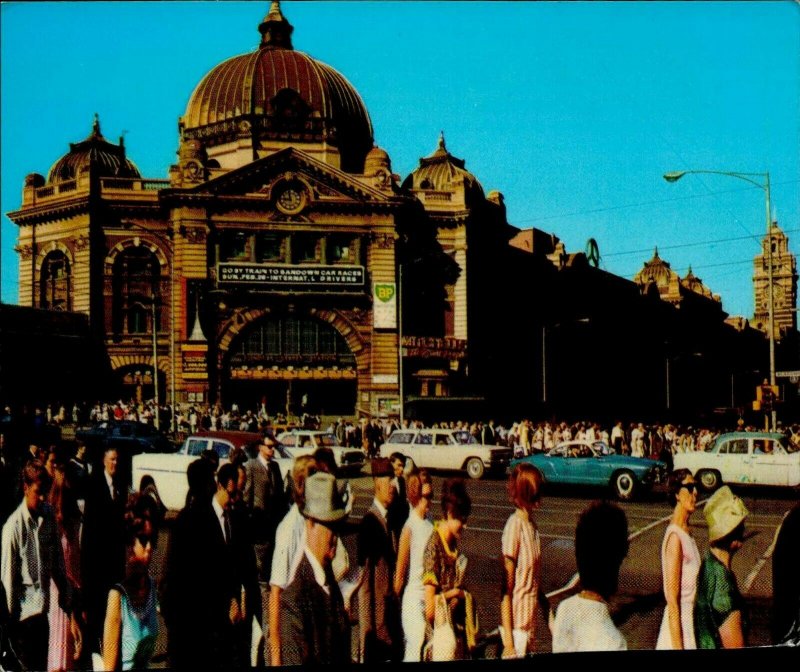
(220,516)
(582,624)
(381,508)
(319,572)
(109,483)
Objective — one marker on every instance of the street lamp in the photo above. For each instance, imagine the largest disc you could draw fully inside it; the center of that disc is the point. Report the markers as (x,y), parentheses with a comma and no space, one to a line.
(171,265)
(764,186)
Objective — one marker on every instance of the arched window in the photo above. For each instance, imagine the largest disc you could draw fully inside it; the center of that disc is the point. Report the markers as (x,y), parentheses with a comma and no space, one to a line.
(54,293)
(289,340)
(135,285)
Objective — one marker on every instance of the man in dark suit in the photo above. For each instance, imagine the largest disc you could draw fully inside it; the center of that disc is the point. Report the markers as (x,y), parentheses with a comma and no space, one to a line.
(381,636)
(265,498)
(102,545)
(314,625)
(202,598)
(397,513)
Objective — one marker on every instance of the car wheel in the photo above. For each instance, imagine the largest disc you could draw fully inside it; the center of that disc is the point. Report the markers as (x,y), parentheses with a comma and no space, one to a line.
(624,483)
(709,479)
(474,468)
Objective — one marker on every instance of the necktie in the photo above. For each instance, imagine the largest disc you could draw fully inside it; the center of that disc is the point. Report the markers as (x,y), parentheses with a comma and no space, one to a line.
(226,519)
(33,550)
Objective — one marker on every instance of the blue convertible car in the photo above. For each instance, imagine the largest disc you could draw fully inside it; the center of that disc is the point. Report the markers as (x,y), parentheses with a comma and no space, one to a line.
(594,463)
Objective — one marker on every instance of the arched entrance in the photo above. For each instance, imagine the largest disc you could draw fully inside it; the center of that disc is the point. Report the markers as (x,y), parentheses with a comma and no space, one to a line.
(292,365)
(135,382)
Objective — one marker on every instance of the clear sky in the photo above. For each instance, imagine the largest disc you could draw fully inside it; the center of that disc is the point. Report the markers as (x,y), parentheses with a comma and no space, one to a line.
(572,110)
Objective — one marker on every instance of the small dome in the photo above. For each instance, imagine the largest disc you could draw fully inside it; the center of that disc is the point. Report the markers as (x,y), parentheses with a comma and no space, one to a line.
(95,154)
(441,171)
(376,160)
(277,93)
(656,271)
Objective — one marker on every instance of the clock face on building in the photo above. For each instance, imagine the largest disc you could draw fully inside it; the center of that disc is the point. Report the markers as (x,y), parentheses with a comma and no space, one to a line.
(777,296)
(291,200)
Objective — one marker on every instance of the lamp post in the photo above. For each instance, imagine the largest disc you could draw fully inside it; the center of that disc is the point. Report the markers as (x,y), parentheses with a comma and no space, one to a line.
(171,262)
(156,420)
(400,341)
(764,186)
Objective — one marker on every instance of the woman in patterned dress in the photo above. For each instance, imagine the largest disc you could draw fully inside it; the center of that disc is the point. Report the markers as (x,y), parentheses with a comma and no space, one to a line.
(64,645)
(442,567)
(680,563)
(521,564)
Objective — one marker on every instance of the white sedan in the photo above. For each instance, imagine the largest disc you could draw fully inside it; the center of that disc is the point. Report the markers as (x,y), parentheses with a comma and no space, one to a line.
(299,442)
(744,458)
(166,472)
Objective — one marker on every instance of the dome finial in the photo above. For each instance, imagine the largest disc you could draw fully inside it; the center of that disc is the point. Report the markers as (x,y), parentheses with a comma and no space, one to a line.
(276,31)
(96,126)
(441,140)
(655,253)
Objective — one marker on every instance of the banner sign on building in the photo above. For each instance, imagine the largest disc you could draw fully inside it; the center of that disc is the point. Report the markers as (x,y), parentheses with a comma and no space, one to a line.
(384,305)
(194,361)
(277,275)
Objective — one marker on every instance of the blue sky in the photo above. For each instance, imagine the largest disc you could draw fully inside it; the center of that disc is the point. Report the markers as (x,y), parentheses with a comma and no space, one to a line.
(573,110)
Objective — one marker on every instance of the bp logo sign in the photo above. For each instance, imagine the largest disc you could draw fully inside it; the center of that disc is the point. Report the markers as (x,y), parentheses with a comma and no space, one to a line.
(384,292)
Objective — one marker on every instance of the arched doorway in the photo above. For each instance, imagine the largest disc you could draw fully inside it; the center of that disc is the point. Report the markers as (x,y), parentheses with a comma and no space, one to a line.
(135,382)
(292,365)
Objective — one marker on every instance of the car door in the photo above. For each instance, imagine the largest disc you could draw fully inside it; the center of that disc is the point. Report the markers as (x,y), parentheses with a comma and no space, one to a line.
(769,463)
(422,450)
(446,453)
(732,460)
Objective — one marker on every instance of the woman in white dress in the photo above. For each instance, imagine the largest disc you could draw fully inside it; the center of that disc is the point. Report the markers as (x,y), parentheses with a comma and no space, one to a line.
(680,564)
(411,549)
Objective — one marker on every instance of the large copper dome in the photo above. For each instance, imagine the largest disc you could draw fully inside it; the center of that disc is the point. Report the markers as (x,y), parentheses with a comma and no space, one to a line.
(95,153)
(277,93)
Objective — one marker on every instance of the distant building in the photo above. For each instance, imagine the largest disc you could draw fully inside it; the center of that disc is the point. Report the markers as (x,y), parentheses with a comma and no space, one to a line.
(283,262)
(784,282)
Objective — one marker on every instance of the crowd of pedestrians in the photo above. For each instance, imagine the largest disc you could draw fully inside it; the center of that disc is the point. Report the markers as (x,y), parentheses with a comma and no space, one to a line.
(257,575)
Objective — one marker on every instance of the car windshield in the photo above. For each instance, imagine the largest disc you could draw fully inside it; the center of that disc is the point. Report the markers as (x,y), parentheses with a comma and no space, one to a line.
(464,438)
(328,440)
(601,448)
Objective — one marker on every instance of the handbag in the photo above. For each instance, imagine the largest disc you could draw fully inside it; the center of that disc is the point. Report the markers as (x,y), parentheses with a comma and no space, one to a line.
(443,640)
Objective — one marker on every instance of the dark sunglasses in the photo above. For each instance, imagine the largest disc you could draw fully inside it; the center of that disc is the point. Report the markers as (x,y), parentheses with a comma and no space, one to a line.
(690,487)
(427,495)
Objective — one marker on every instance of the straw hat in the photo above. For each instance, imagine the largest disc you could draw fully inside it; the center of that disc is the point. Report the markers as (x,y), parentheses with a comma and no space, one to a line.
(325,499)
(724,512)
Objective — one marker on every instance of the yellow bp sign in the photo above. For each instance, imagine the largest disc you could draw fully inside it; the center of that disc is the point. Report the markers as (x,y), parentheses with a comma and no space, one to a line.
(384,305)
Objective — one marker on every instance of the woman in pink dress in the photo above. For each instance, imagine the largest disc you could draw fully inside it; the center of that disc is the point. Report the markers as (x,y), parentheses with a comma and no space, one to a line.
(64,646)
(522,566)
(680,563)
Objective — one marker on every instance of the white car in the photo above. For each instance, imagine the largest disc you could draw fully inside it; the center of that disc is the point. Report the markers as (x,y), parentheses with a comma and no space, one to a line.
(305,441)
(451,449)
(744,458)
(166,472)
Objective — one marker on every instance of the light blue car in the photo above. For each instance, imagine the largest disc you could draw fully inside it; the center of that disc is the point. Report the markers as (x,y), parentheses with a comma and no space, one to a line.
(595,463)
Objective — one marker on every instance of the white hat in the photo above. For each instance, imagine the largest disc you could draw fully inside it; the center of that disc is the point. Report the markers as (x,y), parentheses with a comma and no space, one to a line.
(724,512)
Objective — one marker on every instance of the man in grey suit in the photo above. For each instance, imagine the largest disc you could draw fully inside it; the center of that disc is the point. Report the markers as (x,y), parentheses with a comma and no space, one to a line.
(265,499)
(314,625)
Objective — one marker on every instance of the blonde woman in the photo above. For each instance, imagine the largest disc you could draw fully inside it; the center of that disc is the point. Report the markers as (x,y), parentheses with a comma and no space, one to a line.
(408,573)
(680,564)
